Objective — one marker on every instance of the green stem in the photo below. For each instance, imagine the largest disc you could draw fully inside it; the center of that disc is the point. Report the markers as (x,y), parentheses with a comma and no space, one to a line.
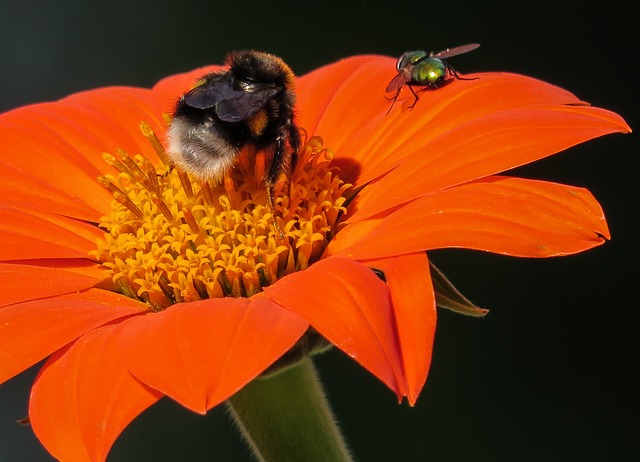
(286,417)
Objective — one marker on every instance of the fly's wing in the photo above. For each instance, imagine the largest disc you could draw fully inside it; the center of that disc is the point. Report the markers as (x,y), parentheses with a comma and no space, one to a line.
(231,104)
(449,52)
(396,83)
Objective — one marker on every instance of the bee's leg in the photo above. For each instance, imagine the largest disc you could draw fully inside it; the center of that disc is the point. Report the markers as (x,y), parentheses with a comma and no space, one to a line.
(277,165)
(294,143)
(272,207)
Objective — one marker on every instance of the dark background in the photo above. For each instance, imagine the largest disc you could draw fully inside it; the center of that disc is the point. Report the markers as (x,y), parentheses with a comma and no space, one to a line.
(550,373)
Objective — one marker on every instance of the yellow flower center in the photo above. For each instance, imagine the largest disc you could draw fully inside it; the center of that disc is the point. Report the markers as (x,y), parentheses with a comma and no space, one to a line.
(172,238)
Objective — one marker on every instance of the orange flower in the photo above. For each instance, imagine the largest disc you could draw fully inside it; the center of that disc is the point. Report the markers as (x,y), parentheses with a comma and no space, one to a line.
(137,282)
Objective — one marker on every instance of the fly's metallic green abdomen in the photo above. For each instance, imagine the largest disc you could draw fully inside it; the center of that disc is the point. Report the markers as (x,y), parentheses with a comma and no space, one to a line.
(429,72)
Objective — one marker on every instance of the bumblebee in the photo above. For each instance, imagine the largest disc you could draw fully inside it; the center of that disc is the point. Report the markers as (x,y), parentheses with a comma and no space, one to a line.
(248,106)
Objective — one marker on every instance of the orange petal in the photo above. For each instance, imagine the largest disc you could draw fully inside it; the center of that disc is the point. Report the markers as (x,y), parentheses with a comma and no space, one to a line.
(32,330)
(50,165)
(19,189)
(350,306)
(28,234)
(330,98)
(201,353)
(439,119)
(345,104)
(84,397)
(58,147)
(116,113)
(480,147)
(414,307)
(22,282)
(504,215)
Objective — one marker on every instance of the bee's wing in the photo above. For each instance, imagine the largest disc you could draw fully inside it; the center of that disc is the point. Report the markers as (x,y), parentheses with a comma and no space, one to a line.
(241,104)
(212,89)
(396,83)
(449,52)
(231,104)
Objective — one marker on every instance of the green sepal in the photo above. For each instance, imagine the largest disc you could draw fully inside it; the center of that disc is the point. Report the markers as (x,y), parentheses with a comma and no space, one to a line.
(450,298)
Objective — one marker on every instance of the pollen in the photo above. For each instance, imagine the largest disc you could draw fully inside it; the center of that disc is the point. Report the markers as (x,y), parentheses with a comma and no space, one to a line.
(172,238)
